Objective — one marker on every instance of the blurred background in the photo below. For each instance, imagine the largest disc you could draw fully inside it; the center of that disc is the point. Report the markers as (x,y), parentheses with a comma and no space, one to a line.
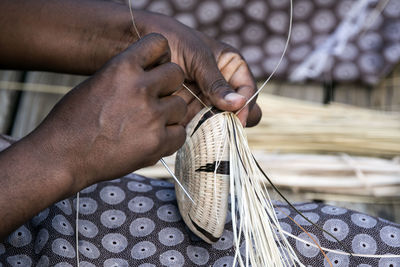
(331,113)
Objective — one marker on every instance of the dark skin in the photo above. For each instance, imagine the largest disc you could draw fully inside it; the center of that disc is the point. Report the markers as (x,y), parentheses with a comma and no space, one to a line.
(127,115)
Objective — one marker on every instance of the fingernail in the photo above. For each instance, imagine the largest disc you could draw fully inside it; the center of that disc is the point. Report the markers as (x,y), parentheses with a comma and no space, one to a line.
(233,97)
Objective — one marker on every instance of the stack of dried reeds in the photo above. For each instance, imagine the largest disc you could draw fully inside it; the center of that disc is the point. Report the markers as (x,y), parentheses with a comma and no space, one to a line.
(336,174)
(290,125)
(294,126)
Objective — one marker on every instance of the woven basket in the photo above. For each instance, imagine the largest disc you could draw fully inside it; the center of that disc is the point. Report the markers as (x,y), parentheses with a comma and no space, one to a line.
(195,165)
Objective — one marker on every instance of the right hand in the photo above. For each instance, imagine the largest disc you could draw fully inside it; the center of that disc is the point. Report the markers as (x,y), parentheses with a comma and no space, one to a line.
(221,75)
(121,119)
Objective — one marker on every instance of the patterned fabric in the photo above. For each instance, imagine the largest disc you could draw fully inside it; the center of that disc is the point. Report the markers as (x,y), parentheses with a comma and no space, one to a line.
(134,221)
(258,28)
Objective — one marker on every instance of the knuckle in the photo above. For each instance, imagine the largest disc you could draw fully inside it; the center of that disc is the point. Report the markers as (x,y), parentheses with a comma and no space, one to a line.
(156,120)
(159,40)
(113,65)
(142,90)
(157,37)
(177,71)
(215,85)
(181,106)
(155,141)
(123,67)
(178,108)
(156,109)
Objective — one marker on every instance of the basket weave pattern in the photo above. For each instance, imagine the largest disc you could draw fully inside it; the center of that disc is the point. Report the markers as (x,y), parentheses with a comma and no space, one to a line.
(195,164)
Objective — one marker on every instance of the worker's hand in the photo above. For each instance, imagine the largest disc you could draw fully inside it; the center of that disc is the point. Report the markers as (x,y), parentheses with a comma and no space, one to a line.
(219,71)
(121,119)
(81,36)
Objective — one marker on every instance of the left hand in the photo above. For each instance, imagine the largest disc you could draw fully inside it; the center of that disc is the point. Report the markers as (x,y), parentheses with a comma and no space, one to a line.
(215,71)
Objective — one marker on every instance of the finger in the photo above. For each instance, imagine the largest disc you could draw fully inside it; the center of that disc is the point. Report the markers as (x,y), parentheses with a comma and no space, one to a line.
(238,74)
(173,109)
(242,116)
(165,79)
(193,108)
(213,85)
(188,95)
(230,64)
(175,138)
(247,92)
(193,104)
(243,81)
(149,51)
(254,116)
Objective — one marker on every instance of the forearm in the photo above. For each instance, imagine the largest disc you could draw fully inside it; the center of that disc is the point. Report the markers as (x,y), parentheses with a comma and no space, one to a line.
(68,36)
(31,179)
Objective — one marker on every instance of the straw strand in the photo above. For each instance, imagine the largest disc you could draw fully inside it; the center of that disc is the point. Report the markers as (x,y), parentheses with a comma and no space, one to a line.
(279,62)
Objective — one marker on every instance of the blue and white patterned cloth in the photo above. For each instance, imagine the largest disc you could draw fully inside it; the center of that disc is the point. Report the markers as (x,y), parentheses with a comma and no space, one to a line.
(259,28)
(134,221)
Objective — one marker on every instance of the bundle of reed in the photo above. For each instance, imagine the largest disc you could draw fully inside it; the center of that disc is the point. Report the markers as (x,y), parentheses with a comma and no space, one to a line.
(290,125)
(335,174)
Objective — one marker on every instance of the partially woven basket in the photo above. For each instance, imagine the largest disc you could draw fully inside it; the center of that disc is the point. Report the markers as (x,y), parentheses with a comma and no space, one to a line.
(214,160)
(202,167)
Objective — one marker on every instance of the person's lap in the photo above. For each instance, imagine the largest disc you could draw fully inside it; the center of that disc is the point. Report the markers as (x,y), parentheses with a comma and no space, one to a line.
(134,221)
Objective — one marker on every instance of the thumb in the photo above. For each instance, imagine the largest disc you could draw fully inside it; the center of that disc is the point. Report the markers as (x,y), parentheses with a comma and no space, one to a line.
(214,86)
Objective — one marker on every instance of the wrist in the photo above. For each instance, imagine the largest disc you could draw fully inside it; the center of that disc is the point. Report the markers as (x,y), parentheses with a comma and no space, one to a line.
(112,35)
(29,183)
(117,32)
(47,165)
(57,156)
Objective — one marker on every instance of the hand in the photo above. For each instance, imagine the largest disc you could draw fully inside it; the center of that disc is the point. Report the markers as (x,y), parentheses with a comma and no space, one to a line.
(121,119)
(81,36)
(222,76)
